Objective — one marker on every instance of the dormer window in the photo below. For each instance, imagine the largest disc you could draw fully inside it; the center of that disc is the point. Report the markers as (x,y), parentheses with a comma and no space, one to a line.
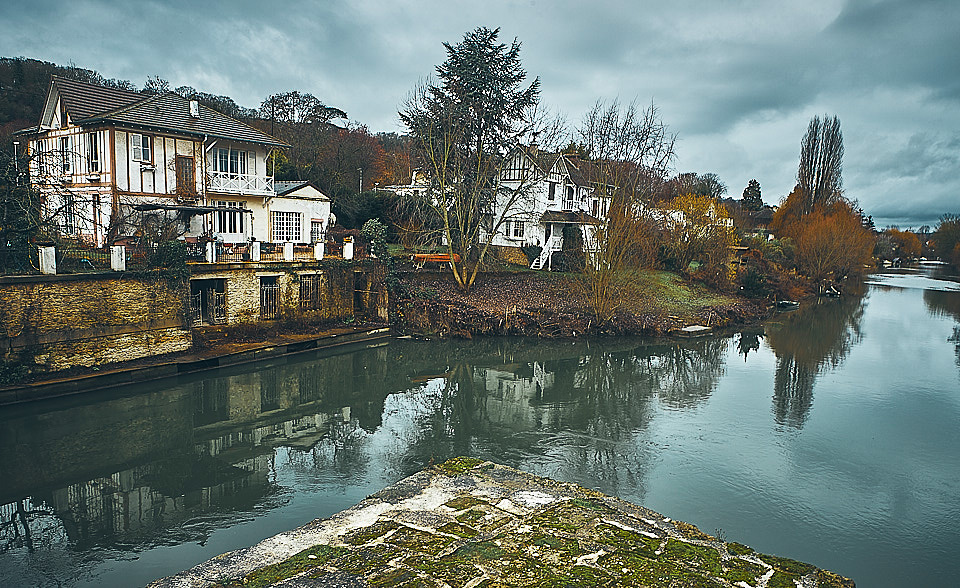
(140,147)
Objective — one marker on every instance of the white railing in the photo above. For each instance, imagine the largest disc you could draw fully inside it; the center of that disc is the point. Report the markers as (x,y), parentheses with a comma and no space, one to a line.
(240,183)
(555,243)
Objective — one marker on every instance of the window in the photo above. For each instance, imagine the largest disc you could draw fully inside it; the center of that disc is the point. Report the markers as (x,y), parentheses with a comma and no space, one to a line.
(316,231)
(518,227)
(286,226)
(93,153)
(68,216)
(186,178)
(269,297)
(552,193)
(140,147)
(66,155)
(230,220)
(230,161)
(310,291)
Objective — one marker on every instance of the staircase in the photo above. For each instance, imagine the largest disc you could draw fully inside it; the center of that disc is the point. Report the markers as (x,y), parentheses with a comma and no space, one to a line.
(552,245)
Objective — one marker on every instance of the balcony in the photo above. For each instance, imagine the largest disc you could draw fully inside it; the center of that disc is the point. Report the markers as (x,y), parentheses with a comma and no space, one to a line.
(231,183)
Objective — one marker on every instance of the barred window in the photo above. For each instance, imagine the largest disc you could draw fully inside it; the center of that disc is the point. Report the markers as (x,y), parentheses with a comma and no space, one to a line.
(286,226)
(310,291)
(518,228)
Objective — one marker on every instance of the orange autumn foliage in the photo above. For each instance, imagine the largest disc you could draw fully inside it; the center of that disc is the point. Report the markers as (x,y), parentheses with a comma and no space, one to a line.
(831,240)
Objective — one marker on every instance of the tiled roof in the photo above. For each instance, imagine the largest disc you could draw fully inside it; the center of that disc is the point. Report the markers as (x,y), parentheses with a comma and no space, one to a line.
(171,112)
(83,100)
(89,103)
(285,187)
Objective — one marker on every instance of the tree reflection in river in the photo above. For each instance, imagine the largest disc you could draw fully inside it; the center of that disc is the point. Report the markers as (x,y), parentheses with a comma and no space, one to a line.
(943,303)
(806,342)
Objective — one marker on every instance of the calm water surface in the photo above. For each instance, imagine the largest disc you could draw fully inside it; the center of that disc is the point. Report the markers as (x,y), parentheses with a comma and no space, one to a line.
(831,435)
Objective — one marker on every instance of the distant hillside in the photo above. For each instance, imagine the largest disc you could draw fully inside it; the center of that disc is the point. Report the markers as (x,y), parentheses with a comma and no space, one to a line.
(24,83)
(23,87)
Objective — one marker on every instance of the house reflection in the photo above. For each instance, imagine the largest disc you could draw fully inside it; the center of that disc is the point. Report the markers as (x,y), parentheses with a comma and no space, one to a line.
(174,464)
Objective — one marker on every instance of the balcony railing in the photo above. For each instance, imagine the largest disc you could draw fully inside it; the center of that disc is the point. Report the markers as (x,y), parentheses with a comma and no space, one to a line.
(240,183)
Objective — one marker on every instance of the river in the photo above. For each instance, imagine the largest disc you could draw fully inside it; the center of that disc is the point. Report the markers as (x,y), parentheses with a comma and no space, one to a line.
(830,435)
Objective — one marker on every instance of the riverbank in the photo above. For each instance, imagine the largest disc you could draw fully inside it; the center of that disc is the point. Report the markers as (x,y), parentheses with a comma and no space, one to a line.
(552,305)
(469,522)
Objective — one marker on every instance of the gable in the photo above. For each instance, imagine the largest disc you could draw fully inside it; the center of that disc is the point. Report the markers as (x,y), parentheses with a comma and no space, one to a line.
(80,100)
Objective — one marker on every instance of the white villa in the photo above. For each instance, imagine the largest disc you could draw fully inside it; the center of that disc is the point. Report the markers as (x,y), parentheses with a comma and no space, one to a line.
(559,190)
(105,157)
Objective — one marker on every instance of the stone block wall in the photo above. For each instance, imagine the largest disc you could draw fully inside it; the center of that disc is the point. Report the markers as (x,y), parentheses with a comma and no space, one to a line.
(58,322)
(513,255)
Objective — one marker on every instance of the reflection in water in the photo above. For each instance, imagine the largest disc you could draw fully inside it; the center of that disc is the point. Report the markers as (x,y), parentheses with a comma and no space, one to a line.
(945,304)
(173,465)
(806,342)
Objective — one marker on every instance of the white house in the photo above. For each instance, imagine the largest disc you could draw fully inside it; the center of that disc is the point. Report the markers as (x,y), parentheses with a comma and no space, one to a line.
(105,158)
(553,191)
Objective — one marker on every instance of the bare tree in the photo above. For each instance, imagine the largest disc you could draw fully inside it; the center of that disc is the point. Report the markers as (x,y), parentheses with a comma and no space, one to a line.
(631,150)
(820,174)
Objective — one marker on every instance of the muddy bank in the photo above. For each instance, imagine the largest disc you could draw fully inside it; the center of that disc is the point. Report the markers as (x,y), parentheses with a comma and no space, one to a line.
(552,306)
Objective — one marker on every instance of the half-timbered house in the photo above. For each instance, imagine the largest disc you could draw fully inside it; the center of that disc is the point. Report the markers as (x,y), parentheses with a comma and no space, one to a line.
(542,194)
(107,158)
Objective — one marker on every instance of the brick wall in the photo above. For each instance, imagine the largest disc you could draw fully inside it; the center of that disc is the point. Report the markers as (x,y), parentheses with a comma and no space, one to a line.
(57,322)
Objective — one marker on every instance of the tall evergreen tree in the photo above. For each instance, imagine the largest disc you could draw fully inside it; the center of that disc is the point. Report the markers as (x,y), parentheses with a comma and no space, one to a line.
(465,123)
(751,196)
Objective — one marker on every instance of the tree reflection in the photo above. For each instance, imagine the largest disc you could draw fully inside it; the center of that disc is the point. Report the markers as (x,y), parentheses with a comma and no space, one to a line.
(945,304)
(806,343)
(574,408)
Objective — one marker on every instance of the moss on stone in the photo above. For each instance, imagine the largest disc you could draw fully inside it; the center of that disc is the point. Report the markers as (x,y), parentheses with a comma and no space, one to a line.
(471,517)
(459,465)
(367,534)
(458,530)
(462,502)
(738,549)
(787,567)
(739,570)
(300,562)
(618,538)
(691,532)
(704,558)
(367,559)
(417,540)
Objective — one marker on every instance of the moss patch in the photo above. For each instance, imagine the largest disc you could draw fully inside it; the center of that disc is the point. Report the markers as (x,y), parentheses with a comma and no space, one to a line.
(458,465)
(289,567)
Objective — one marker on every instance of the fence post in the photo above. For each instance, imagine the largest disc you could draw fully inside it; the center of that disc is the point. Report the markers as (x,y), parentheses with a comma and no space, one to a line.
(211,252)
(255,251)
(288,251)
(318,250)
(48,260)
(348,247)
(118,258)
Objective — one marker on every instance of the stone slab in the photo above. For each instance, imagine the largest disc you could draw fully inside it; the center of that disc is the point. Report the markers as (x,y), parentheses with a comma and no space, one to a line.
(469,523)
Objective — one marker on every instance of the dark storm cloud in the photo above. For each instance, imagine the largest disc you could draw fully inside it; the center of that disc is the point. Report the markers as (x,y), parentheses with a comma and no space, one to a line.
(738,81)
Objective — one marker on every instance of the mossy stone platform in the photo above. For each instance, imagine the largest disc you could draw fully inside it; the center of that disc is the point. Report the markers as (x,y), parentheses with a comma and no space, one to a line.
(467,523)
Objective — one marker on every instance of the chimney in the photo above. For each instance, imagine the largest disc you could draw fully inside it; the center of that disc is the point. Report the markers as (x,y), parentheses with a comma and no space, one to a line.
(194,109)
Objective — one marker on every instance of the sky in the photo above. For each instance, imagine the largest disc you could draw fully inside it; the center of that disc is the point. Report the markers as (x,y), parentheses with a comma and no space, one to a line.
(736,80)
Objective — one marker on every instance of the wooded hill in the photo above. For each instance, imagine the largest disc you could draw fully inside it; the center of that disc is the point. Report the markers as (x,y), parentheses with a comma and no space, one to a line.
(329,154)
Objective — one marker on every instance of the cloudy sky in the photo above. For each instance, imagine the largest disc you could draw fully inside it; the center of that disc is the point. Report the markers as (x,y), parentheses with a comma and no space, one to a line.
(736,80)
